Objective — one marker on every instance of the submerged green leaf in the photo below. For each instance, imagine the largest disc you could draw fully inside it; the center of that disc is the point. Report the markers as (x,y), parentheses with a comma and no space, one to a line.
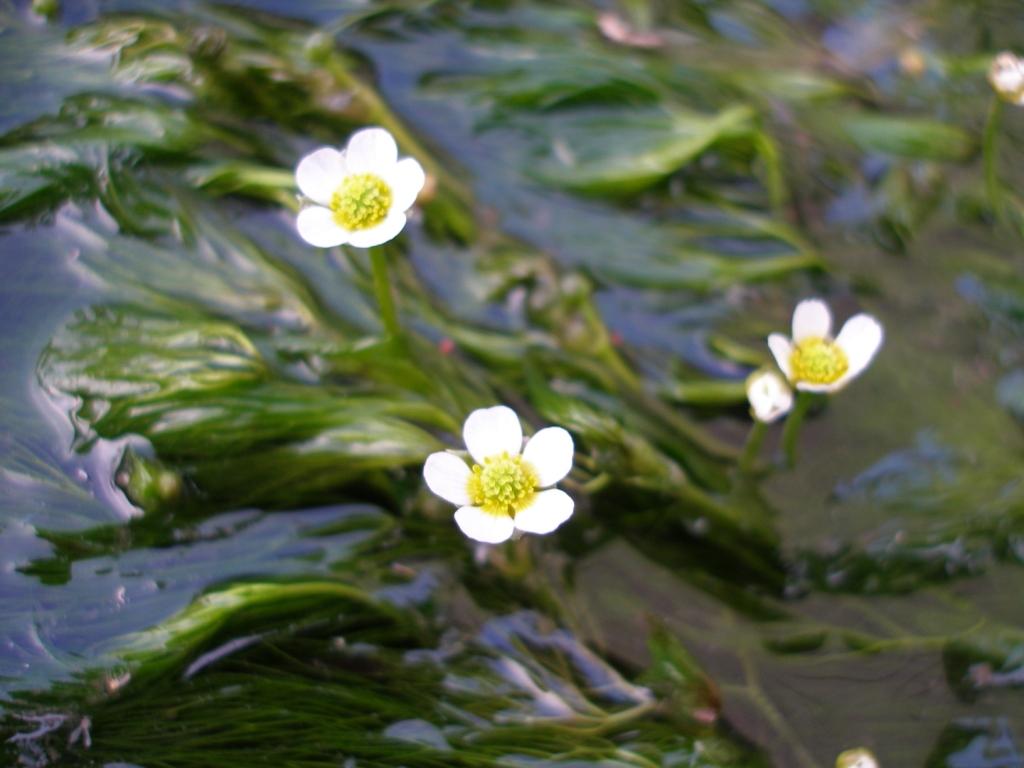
(200,393)
(623,154)
(911,137)
(118,353)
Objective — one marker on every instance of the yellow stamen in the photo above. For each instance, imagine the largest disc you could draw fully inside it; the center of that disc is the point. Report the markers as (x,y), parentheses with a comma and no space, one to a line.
(361,201)
(504,485)
(818,361)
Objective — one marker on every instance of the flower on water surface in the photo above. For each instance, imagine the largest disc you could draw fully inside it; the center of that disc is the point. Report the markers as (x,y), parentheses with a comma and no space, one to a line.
(769,395)
(1007,77)
(502,491)
(815,362)
(856,758)
(360,193)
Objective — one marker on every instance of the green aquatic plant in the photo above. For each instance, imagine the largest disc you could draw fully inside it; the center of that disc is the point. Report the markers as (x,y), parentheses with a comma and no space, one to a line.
(338,672)
(228,555)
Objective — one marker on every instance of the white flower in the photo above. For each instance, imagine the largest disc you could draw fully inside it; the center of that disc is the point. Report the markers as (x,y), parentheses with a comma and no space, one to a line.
(856,758)
(815,362)
(502,492)
(769,395)
(360,194)
(1007,77)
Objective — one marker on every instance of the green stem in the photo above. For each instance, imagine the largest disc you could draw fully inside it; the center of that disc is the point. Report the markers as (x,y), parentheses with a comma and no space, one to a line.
(518,559)
(617,720)
(791,432)
(605,349)
(752,448)
(382,289)
(989,153)
(596,484)
(774,179)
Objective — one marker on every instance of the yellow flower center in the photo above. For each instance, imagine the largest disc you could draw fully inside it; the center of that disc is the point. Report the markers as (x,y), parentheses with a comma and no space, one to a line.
(361,201)
(818,361)
(504,485)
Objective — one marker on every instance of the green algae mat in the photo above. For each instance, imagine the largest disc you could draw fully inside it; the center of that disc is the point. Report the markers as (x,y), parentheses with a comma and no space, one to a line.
(217,545)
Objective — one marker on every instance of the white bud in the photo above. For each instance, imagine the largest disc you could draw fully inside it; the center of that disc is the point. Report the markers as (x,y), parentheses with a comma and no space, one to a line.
(1007,77)
(769,395)
(856,758)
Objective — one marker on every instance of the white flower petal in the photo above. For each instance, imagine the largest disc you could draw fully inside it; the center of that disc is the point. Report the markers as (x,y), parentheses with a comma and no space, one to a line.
(835,386)
(550,453)
(782,351)
(860,339)
(478,525)
(319,174)
(490,431)
(371,150)
(406,180)
(811,318)
(549,510)
(448,476)
(317,227)
(386,230)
